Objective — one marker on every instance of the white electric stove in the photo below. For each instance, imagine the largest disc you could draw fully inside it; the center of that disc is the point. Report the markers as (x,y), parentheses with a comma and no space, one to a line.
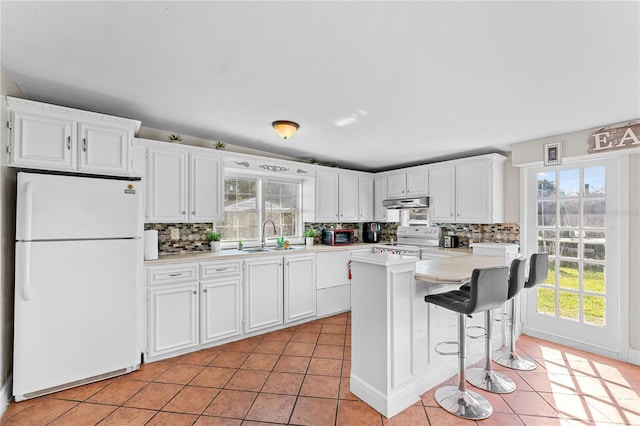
(411,240)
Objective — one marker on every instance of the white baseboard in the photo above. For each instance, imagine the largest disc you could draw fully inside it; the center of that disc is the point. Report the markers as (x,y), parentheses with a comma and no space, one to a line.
(572,343)
(5,394)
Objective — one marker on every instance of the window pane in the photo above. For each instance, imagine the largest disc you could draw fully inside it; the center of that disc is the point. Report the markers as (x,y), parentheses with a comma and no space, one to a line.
(547,185)
(239,225)
(546,301)
(593,278)
(547,242)
(546,213)
(594,181)
(594,213)
(551,273)
(569,275)
(569,183)
(281,205)
(568,305)
(568,244)
(569,213)
(594,310)
(240,209)
(594,245)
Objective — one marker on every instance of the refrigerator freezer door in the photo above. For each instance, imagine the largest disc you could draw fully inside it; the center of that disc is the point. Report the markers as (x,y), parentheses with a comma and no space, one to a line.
(77,317)
(54,207)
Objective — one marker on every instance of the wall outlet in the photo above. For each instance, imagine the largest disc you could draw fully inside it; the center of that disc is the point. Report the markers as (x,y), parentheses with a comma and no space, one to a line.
(175,234)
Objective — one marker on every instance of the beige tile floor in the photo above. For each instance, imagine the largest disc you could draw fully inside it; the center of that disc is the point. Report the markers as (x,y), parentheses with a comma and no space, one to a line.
(300,376)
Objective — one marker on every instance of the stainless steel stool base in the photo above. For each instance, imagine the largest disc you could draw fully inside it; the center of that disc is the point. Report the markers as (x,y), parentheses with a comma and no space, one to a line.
(513,360)
(490,380)
(466,404)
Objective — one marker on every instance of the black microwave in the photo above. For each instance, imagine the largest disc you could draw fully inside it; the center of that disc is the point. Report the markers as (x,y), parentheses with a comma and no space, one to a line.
(338,237)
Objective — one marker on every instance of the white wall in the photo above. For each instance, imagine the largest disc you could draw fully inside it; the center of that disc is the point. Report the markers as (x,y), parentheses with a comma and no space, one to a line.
(575,144)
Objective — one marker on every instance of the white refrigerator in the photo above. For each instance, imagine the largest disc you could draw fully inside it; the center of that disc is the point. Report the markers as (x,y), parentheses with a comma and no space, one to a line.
(77,259)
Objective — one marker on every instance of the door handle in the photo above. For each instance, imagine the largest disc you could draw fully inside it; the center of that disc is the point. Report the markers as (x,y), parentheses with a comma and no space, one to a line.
(84,144)
(68,142)
(26,274)
(28,209)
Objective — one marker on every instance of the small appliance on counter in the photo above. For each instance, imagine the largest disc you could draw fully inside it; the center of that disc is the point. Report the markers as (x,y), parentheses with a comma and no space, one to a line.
(338,237)
(451,241)
(371,232)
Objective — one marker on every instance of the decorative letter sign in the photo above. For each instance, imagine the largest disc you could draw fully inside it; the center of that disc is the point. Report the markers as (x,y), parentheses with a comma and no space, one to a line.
(620,138)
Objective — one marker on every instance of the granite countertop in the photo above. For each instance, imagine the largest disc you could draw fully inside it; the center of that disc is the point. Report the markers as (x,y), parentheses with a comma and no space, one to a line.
(456,269)
(229,254)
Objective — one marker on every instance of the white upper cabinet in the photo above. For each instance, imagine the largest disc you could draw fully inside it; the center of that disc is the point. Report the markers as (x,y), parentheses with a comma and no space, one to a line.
(468,191)
(184,185)
(381,213)
(348,192)
(365,198)
(411,183)
(338,197)
(326,197)
(57,138)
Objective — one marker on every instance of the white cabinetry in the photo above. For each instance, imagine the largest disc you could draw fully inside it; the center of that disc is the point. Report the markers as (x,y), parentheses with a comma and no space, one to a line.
(348,191)
(468,191)
(299,287)
(365,198)
(183,185)
(326,197)
(381,213)
(57,138)
(338,197)
(334,289)
(263,293)
(410,183)
(172,309)
(220,300)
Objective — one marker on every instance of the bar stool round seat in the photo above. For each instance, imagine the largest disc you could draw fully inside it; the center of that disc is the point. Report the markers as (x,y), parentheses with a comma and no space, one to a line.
(538,270)
(487,378)
(488,289)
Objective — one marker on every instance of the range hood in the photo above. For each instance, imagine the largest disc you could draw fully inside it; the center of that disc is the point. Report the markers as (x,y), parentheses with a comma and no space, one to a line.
(407,203)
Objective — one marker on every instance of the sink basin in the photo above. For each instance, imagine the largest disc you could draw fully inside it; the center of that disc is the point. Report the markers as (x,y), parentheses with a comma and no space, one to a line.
(282,248)
(256,249)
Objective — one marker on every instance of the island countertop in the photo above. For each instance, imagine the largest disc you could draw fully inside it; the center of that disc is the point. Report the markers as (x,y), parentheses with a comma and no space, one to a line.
(454,270)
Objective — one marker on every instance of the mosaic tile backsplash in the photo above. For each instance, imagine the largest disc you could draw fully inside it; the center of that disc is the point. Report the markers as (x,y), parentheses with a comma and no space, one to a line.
(193,235)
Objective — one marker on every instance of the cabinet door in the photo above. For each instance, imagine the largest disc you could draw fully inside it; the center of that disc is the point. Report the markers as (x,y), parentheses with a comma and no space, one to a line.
(173,318)
(104,149)
(43,142)
(473,196)
(396,185)
(381,213)
(299,287)
(205,188)
(333,268)
(365,198)
(348,197)
(167,186)
(326,197)
(442,195)
(418,183)
(263,299)
(220,309)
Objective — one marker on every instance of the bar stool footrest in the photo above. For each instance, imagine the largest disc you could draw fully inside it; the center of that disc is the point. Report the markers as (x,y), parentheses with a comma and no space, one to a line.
(450,343)
(477,336)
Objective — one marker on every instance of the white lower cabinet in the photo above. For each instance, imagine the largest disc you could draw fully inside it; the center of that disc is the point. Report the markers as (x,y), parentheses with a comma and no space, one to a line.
(299,287)
(263,293)
(334,289)
(220,301)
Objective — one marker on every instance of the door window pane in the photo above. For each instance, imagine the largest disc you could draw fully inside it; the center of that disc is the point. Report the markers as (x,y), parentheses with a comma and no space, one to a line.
(594,245)
(546,213)
(594,181)
(568,307)
(569,183)
(594,310)
(547,185)
(569,213)
(551,273)
(569,275)
(547,242)
(568,244)
(594,213)
(546,300)
(593,278)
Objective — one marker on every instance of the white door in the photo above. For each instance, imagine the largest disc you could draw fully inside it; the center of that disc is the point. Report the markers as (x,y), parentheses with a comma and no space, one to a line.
(75,311)
(299,287)
(396,185)
(348,197)
(473,192)
(418,182)
(205,188)
(220,309)
(167,186)
(263,293)
(43,142)
(442,194)
(365,198)
(326,198)
(572,212)
(104,149)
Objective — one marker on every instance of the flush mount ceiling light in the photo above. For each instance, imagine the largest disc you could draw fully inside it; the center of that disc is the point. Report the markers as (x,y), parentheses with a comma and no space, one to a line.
(284,128)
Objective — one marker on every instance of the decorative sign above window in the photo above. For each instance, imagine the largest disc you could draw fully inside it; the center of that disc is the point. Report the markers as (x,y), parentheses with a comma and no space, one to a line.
(618,138)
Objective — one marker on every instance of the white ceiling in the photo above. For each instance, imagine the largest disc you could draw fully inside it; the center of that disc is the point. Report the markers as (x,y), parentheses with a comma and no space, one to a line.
(374,85)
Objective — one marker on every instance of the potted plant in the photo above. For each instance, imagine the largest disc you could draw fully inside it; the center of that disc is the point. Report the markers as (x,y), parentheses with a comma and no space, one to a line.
(214,238)
(174,137)
(310,235)
(220,145)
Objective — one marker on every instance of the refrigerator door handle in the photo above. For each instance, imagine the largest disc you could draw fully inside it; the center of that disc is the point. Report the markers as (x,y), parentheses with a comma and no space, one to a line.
(25,269)
(28,207)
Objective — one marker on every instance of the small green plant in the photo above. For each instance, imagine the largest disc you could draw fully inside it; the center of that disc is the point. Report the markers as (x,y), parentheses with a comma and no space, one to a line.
(313,160)
(220,145)
(310,233)
(174,137)
(214,236)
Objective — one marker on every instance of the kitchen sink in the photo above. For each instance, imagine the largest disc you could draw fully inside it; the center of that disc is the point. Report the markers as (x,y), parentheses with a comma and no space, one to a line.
(267,249)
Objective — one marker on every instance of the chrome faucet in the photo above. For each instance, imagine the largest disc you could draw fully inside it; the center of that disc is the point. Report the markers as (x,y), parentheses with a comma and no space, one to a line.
(275,231)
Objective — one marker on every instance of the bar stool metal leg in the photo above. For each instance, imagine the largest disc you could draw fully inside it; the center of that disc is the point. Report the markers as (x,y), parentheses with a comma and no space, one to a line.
(486,378)
(457,399)
(510,358)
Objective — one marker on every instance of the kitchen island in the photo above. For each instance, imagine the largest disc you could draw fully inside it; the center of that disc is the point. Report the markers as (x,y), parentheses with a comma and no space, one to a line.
(394,331)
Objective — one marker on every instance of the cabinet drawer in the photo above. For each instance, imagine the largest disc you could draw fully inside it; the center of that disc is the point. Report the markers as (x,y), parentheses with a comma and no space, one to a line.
(159,275)
(214,270)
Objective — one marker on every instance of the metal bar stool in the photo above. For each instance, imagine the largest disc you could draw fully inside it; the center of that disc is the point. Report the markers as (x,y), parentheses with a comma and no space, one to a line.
(538,270)
(487,290)
(486,378)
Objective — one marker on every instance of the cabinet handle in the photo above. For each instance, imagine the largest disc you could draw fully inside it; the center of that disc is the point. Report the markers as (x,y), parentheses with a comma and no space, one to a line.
(68,142)
(193,212)
(204,291)
(84,144)
(176,275)
(221,269)
(183,212)
(195,292)
(287,263)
